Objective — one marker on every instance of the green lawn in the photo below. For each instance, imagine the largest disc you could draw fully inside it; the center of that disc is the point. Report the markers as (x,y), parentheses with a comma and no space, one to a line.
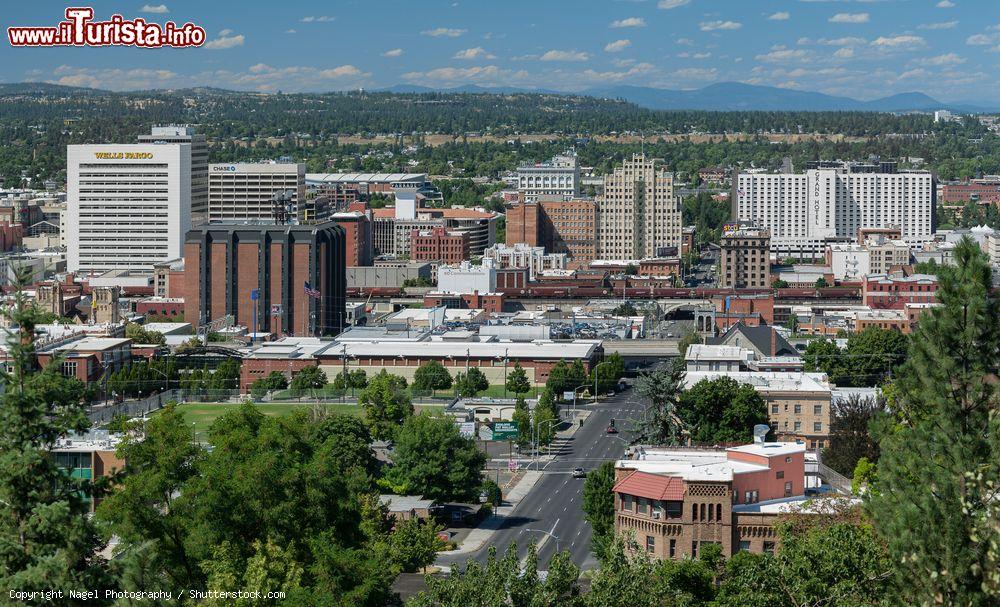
(201,415)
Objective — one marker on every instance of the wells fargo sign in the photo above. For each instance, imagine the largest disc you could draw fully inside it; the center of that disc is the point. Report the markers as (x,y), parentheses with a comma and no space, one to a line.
(123,155)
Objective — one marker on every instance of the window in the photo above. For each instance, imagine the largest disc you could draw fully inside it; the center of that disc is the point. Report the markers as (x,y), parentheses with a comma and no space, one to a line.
(673,548)
(798,409)
(768,547)
(788,459)
(798,426)
(817,426)
(701,514)
(774,408)
(744,545)
(694,512)
(788,488)
(779,474)
(817,409)
(694,549)
(650,543)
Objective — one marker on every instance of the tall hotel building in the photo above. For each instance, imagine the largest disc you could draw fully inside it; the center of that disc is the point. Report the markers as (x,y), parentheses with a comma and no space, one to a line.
(638,211)
(557,177)
(804,212)
(199,163)
(246,192)
(128,206)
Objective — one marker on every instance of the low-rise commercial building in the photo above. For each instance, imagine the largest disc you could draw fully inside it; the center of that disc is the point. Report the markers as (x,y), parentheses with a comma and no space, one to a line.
(881,291)
(439,245)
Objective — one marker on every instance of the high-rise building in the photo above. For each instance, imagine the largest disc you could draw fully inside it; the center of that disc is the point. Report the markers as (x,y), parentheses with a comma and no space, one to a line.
(558,177)
(639,214)
(805,212)
(199,163)
(560,226)
(281,279)
(358,236)
(746,258)
(439,244)
(128,205)
(247,192)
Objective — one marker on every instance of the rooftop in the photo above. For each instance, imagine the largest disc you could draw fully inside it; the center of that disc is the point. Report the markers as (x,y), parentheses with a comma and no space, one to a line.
(358,177)
(538,349)
(779,381)
(652,486)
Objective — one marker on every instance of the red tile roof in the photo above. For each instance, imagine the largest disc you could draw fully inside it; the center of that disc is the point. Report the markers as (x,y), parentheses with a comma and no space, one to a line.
(652,486)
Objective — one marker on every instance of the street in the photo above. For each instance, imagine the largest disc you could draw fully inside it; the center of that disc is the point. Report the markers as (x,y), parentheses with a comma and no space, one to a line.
(555,504)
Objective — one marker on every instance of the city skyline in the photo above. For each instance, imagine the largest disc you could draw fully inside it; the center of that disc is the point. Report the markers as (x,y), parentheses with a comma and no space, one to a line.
(862,48)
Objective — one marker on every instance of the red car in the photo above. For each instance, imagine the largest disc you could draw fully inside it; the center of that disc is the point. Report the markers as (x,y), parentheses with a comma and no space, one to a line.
(612,430)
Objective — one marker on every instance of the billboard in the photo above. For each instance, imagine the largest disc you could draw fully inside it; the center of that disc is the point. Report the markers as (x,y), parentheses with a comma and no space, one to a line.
(505,431)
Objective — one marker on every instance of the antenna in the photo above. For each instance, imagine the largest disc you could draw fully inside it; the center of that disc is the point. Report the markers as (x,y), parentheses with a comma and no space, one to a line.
(759,432)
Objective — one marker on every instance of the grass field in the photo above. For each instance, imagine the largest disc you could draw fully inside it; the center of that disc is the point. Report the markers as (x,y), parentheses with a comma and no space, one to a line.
(202,415)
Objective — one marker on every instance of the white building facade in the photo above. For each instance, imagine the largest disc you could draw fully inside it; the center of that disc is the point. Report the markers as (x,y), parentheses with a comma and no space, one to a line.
(246,192)
(128,206)
(467,278)
(199,163)
(557,177)
(806,211)
(521,255)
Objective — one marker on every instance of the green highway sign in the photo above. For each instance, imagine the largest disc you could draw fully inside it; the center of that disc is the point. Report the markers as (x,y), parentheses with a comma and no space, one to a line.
(505,431)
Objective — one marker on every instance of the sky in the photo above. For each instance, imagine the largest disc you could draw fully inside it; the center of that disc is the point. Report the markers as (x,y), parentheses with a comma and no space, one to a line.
(949,49)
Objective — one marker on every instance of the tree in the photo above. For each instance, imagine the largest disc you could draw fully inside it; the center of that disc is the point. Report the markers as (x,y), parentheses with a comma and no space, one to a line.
(941,450)
(625,309)
(626,578)
(271,568)
(356,380)
(850,432)
(839,563)
(517,380)
(778,283)
(504,581)
(689,338)
(47,541)
(432,376)
(309,378)
(275,380)
(722,410)
(546,417)
(873,354)
(346,440)
(599,506)
(661,389)
(471,383)
(386,404)
(522,417)
(432,459)
(820,283)
(792,324)
(140,335)
(414,544)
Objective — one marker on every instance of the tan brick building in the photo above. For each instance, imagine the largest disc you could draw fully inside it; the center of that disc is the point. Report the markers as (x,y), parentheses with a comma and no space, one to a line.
(639,215)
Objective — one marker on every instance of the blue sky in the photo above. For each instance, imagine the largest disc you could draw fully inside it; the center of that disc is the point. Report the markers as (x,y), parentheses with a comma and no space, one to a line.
(859,48)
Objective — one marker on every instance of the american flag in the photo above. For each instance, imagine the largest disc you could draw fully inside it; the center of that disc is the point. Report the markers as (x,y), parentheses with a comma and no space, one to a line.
(311,292)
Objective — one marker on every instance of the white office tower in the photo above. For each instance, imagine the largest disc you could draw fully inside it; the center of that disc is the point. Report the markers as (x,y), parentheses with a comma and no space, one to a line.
(639,215)
(128,206)
(558,177)
(805,212)
(199,164)
(241,192)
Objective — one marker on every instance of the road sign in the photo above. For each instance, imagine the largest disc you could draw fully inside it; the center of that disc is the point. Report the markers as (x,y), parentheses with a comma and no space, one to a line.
(511,465)
(485,432)
(504,431)
(467,429)
(276,310)
(568,395)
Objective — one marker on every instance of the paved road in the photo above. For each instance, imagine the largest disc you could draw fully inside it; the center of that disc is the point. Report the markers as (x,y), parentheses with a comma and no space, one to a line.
(555,503)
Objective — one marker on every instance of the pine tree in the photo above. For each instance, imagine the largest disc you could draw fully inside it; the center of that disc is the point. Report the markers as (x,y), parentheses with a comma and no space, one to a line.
(938,456)
(46,539)
(517,380)
(661,389)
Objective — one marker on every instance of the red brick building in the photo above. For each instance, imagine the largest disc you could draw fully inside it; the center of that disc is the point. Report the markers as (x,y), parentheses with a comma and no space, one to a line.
(439,244)
(881,291)
(491,302)
(359,239)
(976,191)
(675,501)
(561,226)
(226,263)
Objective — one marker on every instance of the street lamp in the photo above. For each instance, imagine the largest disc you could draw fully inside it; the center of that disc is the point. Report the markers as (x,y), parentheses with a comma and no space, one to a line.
(594,370)
(548,533)
(537,435)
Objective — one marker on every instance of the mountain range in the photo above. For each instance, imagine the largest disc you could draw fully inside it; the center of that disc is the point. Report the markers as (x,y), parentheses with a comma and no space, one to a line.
(733,96)
(722,96)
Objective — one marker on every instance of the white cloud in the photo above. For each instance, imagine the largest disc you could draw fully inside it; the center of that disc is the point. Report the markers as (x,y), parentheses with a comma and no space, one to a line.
(473,53)
(779,16)
(225,32)
(617,46)
(629,22)
(314,19)
(157,9)
(695,73)
(685,41)
(342,71)
(701,55)
(113,78)
(224,42)
(290,31)
(902,41)
(573,55)
(844,53)
(781,55)
(457,75)
(947,25)
(396,52)
(946,59)
(849,18)
(945,4)
(669,4)
(845,41)
(711,26)
(982,39)
(915,73)
(446,32)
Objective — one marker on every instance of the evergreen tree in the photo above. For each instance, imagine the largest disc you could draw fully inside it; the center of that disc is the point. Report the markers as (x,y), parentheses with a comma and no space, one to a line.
(941,453)
(661,388)
(599,506)
(517,380)
(522,417)
(47,541)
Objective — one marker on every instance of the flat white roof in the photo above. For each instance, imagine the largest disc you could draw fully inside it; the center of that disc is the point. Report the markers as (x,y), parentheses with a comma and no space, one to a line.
(538,349)
(696,352)
(290,347)
(359,177)
(794,381)
(705,464)
(93,343)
